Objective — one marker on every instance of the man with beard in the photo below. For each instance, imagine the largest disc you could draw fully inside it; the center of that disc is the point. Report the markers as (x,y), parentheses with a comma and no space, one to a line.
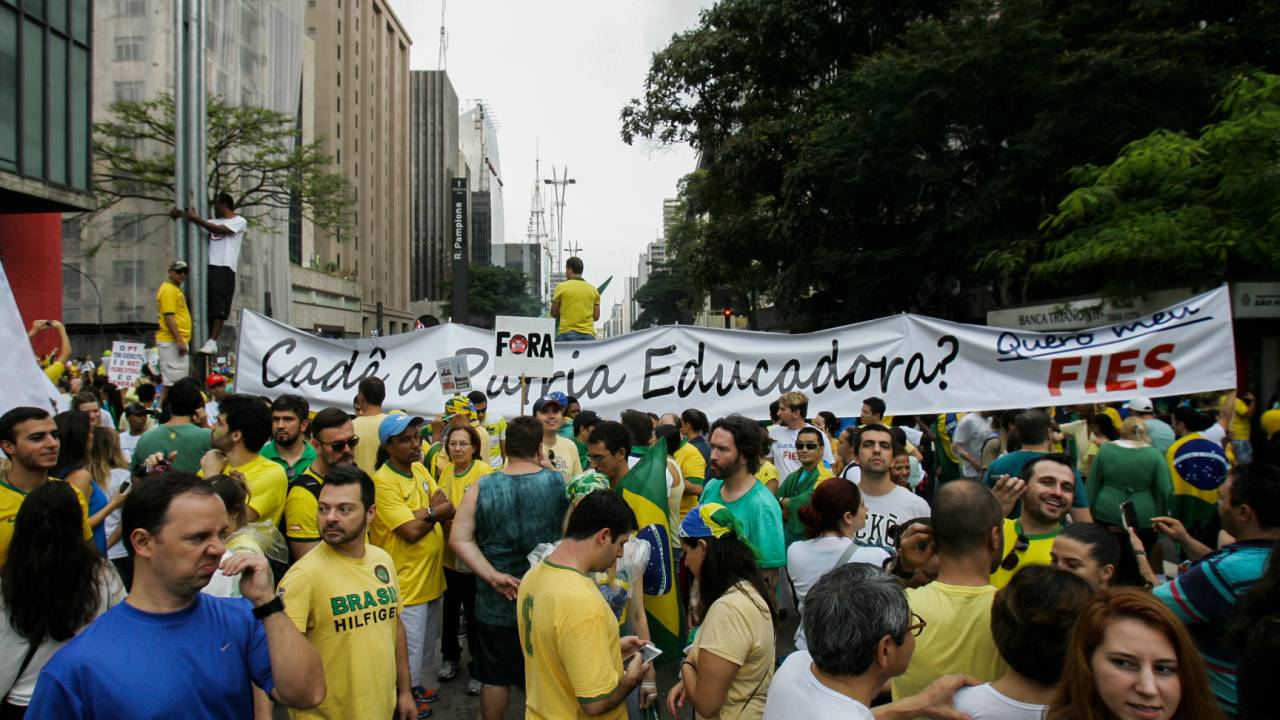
(888,504)
(244,424)
(170,650)
(345,598)
(411,508)
(333,445)
(289,421)
(1032,427)
(736,448)
(1046,500)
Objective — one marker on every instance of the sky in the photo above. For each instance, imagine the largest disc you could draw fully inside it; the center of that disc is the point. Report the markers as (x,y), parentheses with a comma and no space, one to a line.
(556,76)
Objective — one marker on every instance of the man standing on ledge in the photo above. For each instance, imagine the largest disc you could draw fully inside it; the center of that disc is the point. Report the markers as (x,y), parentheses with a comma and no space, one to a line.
(173,332)
(576,304)
(226,232)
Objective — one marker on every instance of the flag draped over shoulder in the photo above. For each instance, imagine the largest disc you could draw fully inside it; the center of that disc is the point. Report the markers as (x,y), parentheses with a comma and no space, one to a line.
(645,489)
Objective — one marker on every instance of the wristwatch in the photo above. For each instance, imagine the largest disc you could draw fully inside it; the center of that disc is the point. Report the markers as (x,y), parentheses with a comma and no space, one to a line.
(269,608)
(431,512)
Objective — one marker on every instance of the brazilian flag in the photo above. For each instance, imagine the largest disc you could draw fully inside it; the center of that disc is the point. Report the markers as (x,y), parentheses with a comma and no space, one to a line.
(948,461)
(644,488)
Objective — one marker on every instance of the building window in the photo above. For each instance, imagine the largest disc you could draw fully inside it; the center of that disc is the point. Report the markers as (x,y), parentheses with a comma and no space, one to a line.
(71,283)
(126,228)
(129,90)
(130,47)
(131,8)
(126,273)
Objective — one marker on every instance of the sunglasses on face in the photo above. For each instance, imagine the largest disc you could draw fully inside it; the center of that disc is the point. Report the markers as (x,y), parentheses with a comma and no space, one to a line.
(339,445)
(1011,560)
(807,446)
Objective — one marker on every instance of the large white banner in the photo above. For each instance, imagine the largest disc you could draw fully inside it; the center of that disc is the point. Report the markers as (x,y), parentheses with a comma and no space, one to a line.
(916,364)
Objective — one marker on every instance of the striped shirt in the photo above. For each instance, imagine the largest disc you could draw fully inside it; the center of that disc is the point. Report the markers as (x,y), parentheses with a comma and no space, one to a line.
(1205,598)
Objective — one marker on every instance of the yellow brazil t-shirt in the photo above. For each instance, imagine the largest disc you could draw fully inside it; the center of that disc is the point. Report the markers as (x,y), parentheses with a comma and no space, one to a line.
(564,457)
(738,629)
(957,636)
(348,609)
(170,299)
(11,499)
(767,473)
(693,467)
(578,300)
(454,484)
(419,564)
(1038,552)
(569,638)
(268,486)
(300,508)
(55,371)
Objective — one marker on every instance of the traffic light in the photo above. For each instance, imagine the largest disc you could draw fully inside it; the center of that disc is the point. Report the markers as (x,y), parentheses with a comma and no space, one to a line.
(728,312)
(728,318)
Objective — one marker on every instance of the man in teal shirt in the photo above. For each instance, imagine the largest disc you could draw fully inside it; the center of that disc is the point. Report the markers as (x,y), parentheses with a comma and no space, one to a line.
(736,448)
(1033,430)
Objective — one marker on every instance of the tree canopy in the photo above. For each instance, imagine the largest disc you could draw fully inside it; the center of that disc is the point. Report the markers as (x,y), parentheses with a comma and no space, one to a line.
(254,153)
(493,291)
(1174,208)
(859,159)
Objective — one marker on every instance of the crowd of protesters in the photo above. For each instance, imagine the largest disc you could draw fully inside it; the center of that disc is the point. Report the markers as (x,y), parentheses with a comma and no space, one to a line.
(205,553)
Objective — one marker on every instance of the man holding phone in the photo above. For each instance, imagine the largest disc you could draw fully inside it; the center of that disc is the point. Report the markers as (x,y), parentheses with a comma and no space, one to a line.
(573,658)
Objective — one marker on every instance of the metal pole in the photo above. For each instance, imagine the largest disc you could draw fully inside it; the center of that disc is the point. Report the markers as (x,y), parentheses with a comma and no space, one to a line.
(98,292)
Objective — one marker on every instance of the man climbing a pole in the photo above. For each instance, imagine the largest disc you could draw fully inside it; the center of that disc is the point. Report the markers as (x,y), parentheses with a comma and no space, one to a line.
(226,232)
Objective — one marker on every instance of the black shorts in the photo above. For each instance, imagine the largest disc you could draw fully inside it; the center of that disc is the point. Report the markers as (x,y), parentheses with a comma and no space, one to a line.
(496,657)
(222,287)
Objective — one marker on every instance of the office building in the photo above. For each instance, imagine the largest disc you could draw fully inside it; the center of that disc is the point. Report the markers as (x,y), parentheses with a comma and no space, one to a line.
(478,143)
(435,161)
(362,104)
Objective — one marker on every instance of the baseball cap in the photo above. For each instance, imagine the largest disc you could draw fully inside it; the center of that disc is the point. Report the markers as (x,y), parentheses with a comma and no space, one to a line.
(134,409)
(556,397)
(394,424)
(1141,405)
(178,266)
(457,405)
(215,380)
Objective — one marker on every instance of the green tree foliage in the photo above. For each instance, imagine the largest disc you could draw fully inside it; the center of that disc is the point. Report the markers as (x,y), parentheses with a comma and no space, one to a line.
(254,153)
(495,291)
(861,158)
(1175,208)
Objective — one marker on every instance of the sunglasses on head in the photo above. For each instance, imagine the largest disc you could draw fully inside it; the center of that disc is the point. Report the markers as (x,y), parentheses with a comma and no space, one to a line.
(807,446)
(1011,560)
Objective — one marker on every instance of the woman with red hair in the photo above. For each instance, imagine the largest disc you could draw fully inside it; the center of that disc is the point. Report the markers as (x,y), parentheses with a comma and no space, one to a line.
(1129,658)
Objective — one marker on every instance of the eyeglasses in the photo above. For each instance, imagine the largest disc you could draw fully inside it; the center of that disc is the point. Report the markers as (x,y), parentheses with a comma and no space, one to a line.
(596,458)
(916,627)
(339,445)
(1011,560)
(807,446)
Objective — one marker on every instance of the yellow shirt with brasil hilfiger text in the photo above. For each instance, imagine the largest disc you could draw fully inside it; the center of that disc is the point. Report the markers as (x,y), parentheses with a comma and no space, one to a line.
(348,609)
(569,638)
(420,565)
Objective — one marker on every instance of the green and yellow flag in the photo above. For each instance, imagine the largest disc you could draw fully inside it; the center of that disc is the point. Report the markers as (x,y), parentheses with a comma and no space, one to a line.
(645,489)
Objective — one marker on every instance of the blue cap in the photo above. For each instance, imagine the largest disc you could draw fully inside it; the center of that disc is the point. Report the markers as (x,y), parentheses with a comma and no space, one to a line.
(394,424)
(556,397)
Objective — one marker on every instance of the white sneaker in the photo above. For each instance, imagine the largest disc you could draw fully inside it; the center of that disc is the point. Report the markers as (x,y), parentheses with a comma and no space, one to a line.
(209,347)
(473,687)
(448,670)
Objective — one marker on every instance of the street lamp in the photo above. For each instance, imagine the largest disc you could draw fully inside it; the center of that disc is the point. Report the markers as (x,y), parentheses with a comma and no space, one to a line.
(78,271)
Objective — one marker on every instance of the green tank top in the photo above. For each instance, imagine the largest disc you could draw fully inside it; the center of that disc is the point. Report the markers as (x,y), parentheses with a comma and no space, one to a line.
(514,514)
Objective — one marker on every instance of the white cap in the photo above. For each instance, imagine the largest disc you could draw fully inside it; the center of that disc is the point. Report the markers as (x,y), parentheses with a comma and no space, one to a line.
(1141,405)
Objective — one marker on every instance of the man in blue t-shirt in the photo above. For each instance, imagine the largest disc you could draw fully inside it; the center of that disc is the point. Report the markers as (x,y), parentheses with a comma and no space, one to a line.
(736,448)
(169,651)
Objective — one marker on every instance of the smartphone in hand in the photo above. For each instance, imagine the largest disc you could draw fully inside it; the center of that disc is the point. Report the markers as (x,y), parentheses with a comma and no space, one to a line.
(1128,514)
